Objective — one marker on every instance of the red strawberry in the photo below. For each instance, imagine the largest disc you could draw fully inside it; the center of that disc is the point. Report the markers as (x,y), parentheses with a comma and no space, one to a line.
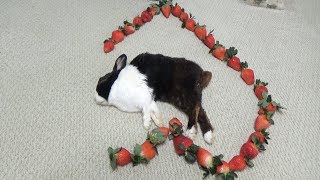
(143,153)
(237,163)
(205,158)
(223,171)
(261,111)
(200,31)
(154,9)
(218,51)
(158,135)
(176,11)
(271,107)
(184,16)
(119,156)
(247,74)
(268,105)
(166,8)
(262,122)
(224,168)
(234,63)
(209,40)
(181,144)
(128,28)
(233,60)
(174,124)
(262,135)
(249,150)
(108,45)
(207,162)
(165,131)
(189,23)
(259,87)
(117,36)
(146,16)
(137,22)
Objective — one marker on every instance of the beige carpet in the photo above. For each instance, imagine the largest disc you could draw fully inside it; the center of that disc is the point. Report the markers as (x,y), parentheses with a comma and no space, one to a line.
(51,58)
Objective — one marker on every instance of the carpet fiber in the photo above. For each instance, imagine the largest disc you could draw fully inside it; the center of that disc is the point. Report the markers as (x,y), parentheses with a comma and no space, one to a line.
(51,58)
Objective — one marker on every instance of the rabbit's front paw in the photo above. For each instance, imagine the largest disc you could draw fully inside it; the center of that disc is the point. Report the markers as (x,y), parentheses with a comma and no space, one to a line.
(208,137)
(191,133)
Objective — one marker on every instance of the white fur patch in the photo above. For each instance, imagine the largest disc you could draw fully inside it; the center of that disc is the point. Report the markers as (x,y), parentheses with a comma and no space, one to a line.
(100,100)
(208,137)
(192,133)
(130,91)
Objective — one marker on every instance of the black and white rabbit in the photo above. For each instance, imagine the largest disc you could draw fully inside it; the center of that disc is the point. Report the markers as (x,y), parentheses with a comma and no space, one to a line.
(154,77)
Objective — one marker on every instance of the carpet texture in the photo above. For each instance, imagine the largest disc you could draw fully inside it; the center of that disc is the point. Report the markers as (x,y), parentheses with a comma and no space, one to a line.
(51,58)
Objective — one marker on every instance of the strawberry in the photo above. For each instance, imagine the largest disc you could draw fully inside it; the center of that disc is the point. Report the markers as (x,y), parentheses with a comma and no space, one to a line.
(128,28)
(262,122)
(247,74)
(218,51)
(223,171)
(237,163)
(268,105)
(175,126)
(119,156)
(143,153)
(137,22)
(117,36)
(259,87)
(184,16)
(261,111)
(250,150)
(234,63)
(176,11)
(262,135)
(158,135)
(165,131)
(108,45)
(209,40)
(189,23)
(224,168)
(181,144)
(165,8)
(154,9)
(146,16)
(200,31)
(233,60)
(207,162)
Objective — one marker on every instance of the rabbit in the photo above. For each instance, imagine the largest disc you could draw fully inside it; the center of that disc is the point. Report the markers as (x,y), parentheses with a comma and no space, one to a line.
(154,77)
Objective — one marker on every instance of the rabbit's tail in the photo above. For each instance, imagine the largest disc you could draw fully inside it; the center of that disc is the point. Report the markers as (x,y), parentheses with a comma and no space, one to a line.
(205,78)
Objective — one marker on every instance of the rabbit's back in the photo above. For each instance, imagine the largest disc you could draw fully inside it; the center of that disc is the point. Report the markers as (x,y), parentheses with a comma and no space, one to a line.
(168,76)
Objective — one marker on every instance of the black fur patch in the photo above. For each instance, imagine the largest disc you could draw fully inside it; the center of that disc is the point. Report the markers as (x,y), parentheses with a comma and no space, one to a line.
(166,75)
(177,81)
(105,83)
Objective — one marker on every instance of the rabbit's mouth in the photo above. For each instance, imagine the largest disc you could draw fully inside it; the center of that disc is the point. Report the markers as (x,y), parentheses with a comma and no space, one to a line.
(100,100)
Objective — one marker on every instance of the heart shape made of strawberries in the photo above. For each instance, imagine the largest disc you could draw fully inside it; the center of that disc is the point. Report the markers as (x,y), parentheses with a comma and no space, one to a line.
(183,146)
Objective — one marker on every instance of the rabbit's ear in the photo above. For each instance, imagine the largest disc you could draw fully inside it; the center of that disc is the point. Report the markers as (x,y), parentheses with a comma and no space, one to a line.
(121,62)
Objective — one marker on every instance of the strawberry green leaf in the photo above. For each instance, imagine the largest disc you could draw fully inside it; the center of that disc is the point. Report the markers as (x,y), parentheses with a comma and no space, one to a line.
(271,121)
(264,94)
(193,148)
(244,65)
(181,146)
(229,177)
(190,157)
(233,174)
(249,163)
(137,150)
(269,99)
